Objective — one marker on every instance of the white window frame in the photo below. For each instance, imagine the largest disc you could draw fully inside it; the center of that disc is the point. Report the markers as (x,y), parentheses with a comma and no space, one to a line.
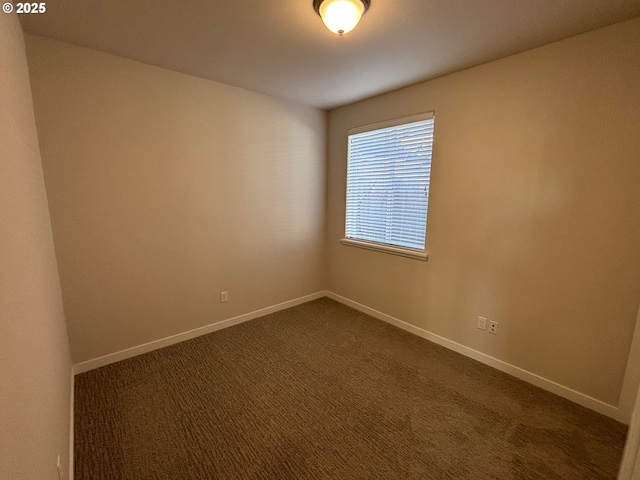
(420,254)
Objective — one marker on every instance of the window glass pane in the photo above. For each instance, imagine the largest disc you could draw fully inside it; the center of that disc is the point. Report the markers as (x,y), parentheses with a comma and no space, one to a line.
(388,174)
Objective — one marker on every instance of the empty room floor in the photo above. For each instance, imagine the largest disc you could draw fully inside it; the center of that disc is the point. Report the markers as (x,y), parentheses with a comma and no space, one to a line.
(322,391)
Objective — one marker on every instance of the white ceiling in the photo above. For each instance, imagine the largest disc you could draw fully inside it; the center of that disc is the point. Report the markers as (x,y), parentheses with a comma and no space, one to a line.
(281,47)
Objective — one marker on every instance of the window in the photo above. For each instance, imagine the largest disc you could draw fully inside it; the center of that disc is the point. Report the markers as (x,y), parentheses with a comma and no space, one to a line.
(388,172)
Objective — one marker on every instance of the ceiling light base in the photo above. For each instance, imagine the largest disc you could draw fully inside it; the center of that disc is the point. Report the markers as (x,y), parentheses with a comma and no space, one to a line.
(317,3)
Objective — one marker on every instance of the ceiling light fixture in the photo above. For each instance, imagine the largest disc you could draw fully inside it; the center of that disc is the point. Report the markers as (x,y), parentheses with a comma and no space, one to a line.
(341,16)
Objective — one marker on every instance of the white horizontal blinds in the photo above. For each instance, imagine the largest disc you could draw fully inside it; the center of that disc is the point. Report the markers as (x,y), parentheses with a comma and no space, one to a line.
(388,182)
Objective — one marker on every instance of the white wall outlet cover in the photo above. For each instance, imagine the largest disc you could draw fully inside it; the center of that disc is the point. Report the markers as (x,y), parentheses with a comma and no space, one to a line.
(493,327)
(482,323)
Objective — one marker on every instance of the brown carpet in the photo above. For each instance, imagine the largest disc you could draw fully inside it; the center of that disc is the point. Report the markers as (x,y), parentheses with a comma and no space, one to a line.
(321,391)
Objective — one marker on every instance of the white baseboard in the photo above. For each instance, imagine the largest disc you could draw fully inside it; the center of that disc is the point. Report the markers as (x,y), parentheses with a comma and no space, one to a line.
(537,380)
(196,332)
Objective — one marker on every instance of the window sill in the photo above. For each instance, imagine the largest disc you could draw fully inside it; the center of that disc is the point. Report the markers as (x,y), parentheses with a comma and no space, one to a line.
(381,247)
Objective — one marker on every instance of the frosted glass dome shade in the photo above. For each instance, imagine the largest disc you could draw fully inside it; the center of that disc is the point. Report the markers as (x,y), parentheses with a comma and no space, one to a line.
(341,16)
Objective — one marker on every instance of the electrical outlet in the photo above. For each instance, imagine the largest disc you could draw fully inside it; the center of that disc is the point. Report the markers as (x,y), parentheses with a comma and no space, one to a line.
(224,297)
(493,327)
(482,323)
(60,470)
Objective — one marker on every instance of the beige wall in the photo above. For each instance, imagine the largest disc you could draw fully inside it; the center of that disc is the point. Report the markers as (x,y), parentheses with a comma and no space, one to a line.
(166,189)
(35,368)
(534,214)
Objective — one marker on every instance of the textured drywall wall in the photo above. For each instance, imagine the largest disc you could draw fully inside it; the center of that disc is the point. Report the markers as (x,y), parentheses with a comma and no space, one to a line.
(35,366)
(166,189)
(534,211)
